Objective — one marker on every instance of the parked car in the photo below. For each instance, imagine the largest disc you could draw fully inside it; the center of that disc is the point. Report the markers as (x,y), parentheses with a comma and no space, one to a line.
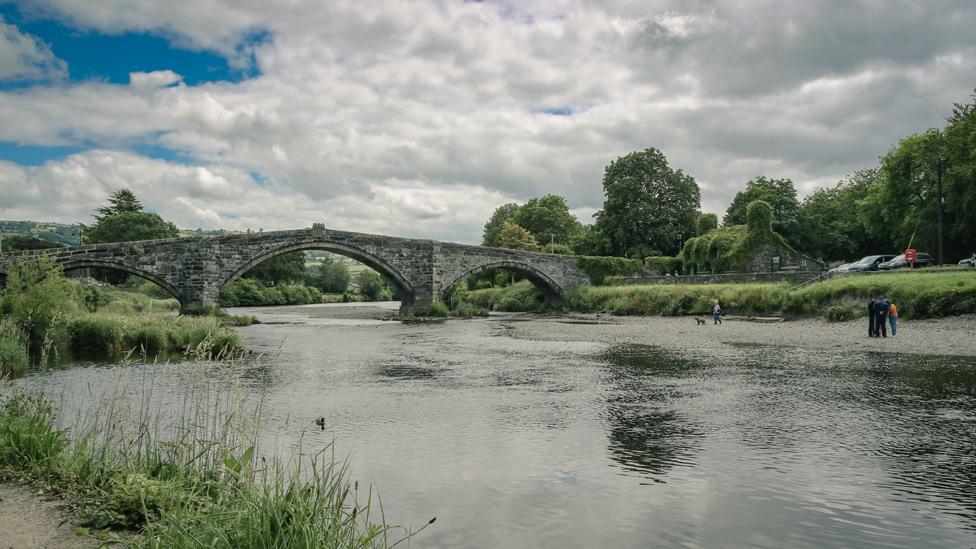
(968,262)
(869,263)
(840,268)
(921,260)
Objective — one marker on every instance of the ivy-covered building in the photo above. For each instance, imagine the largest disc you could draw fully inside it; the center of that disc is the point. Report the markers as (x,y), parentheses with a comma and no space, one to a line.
(751,248)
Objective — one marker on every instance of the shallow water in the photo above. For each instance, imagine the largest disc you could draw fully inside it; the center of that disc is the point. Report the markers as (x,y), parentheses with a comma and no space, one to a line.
(514,443)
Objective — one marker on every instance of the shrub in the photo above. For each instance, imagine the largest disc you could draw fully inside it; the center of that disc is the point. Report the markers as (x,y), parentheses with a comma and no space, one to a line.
(94,335)
(842,313)
(662,264)
(13,348)
(599,268)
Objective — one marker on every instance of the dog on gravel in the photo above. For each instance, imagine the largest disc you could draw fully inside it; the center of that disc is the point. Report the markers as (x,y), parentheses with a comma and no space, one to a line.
(700,321)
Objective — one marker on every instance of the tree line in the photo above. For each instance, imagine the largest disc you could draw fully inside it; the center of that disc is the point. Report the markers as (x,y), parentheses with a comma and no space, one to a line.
(651,209)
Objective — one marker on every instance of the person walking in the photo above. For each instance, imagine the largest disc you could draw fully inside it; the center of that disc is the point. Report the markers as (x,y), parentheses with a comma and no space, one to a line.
(871,317)
(893,318)
(880,321)
(717,313)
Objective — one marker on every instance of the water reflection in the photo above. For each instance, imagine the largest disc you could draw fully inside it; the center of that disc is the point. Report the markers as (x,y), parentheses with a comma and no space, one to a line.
(648,434)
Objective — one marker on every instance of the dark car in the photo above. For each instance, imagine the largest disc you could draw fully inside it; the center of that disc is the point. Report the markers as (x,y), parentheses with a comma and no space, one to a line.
(869,263)
(921,260)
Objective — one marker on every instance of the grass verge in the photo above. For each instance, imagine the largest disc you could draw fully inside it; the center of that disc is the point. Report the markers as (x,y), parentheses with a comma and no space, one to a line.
(196,480)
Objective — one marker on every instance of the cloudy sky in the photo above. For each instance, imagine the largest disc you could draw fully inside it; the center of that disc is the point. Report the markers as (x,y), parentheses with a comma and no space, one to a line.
(419,118)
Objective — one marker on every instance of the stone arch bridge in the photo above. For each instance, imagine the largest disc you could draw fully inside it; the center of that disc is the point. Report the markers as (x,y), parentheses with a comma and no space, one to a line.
(195,269)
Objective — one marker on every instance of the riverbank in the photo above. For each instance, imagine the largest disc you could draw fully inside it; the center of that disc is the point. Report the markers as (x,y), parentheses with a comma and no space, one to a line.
(946,336)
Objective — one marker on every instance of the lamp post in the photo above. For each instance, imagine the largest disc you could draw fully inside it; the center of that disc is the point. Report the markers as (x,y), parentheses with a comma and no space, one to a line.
(941,204)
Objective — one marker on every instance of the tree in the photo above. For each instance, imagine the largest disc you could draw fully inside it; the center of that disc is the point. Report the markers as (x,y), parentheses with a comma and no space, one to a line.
(121,201)
(831,223)
(131,226)
(22,242)
(370,284)
(493,227)
(706,222)
(289,267)
(333,276)
(780,194)
(649,208)
(515,237)
(123,220)
(591,241)
(548,219)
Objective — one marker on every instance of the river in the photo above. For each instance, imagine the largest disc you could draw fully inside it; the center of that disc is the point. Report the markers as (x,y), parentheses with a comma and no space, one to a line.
(512,442)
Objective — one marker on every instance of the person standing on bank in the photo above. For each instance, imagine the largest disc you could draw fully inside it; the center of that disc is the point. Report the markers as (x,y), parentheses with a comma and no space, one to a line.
(871,330)
(717,313)
(880,320)
(893,318)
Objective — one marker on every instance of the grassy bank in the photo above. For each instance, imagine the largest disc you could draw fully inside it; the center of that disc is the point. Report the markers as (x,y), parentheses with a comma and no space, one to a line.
(197,481)
(918,295)
(519,297)
(44,317)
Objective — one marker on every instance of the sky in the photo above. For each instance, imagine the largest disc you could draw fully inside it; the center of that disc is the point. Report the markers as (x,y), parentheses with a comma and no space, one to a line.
(419,118)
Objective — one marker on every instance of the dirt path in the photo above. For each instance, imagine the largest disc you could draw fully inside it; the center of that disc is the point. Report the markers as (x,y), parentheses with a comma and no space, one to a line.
(29,519)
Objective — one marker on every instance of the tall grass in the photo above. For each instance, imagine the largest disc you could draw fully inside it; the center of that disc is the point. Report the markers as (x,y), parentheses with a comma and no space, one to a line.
(13,348)
(186,475)
(519,297)
(98,335)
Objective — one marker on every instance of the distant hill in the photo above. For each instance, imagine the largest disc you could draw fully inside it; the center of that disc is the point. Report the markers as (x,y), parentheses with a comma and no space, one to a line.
(60,233)
(70,234)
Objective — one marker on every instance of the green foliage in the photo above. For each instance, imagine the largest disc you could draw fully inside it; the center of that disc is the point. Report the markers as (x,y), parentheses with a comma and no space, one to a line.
(13,348)
(548,219)
(200,484)
(371,286)
(662,264)
(282,269)
(831,222)
(590,240)
(130,226)
(28,440)
(759,218)
(649,207)
(248,292)
(599,268)
(436,309)
(105,336)
(561,249)
(493,228)
(519,297)
(918,295)
(120,202)
(37,298)
(515,237)
(843,313)
(333,276)
(780,194)
(705,223)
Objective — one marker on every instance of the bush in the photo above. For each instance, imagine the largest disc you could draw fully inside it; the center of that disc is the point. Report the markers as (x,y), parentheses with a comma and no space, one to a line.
(599,268)
(662,264)
(842,313)
(95,335)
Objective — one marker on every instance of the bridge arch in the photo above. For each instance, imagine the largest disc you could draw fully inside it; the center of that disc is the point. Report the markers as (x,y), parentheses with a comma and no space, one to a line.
(373,262)
(100,264)
(550,289)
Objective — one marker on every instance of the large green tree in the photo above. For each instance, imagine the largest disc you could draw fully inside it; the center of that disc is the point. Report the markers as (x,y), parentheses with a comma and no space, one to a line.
(832,224)
(781,196)
(548,219)
(493,227)
(122,220)
(649,208)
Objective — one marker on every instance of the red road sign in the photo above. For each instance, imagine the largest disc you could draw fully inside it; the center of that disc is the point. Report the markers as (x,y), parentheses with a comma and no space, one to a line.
(910,255)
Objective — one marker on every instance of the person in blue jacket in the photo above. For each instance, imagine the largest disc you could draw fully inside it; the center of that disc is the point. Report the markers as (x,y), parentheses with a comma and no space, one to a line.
(871,316)
(881,316)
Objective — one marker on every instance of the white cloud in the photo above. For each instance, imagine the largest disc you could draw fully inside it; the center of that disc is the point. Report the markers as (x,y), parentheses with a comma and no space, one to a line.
(420,118)
(23,57)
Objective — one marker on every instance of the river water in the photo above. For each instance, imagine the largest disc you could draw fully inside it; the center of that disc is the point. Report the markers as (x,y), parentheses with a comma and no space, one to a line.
(515,443)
